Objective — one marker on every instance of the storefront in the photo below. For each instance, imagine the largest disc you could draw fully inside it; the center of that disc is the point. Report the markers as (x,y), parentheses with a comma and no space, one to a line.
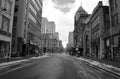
(4,48)
(116,47)
(87,47)
(107,52)
(95,48)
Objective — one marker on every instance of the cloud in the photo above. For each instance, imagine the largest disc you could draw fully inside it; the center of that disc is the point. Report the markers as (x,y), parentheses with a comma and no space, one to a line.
(63,5)
(62,2)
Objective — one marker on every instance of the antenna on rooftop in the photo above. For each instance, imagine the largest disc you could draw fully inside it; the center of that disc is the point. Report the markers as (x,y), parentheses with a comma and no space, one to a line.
(81,3)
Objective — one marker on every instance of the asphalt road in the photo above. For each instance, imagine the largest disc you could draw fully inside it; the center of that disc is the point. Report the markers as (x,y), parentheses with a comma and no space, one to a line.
(54,67)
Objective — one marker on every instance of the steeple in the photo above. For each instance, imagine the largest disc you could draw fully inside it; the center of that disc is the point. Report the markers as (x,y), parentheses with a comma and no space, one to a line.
(80,11)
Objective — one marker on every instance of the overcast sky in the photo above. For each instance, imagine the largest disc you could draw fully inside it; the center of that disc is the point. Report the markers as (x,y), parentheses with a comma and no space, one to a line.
(63,11)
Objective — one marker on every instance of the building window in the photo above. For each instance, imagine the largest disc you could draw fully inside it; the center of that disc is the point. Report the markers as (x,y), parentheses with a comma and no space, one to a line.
(115,40)
(33,9)
(8,6)
(0,3)
(96,21)
(16,8)
(115,20)
(5,23)
(39,3)
(32,18)
(15,18)
(106,22)
(113,4)
(35,4)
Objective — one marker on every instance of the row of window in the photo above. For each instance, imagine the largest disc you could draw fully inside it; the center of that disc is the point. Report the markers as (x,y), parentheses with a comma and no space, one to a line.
(32,18)
(33,9)
(115,40)
(38,1)
(115,20)
(96,35)
(96,21)
(36,5)
(6,6)
(113,4)
(5,23)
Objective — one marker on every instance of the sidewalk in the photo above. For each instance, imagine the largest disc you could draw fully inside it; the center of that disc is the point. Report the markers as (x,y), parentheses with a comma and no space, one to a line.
(2,60)
(115,63)
(111,66)
(17,60)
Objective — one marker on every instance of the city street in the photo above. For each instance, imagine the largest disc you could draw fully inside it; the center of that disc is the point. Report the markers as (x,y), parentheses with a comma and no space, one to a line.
(59,39)
(59,66)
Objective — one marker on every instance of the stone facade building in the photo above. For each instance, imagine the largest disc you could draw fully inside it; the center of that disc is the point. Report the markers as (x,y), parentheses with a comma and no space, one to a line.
(87,38)
(115,28)
(79,26)
(6,22)
(99,24)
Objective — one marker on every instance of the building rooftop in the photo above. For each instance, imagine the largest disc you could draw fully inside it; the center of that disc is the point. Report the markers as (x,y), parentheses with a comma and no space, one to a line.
(80,11)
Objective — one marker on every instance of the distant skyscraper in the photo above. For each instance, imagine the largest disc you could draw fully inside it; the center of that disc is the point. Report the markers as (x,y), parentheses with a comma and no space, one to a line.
(50,27)
(47,27)
(56,35)
(44,24)
(70,39)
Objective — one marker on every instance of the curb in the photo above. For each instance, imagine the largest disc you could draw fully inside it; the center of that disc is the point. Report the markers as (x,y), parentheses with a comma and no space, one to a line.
(6,64)
(105,69)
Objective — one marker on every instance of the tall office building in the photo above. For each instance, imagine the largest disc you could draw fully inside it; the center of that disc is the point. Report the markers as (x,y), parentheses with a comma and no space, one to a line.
(44,24)
(6,21)
(70,39)
(27,25)
(48,27)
